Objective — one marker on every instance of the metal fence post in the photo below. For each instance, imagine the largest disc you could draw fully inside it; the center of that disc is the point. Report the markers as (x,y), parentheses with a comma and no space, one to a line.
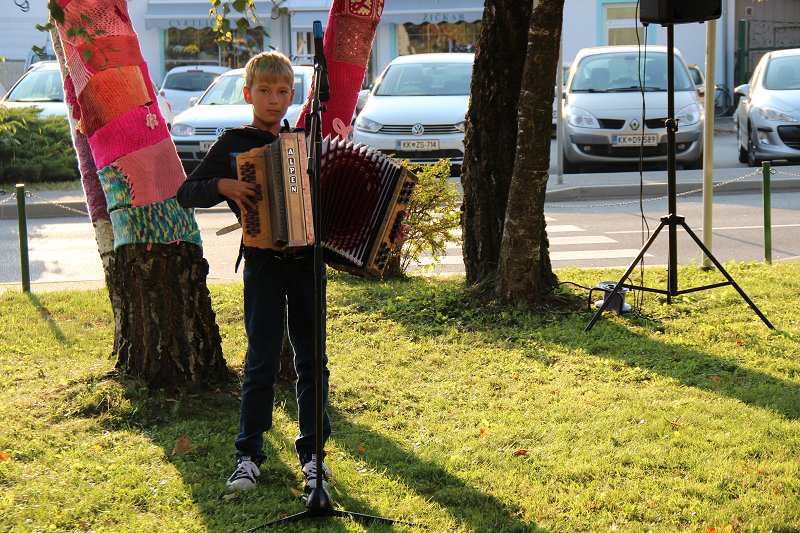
(767,213)
(23,238)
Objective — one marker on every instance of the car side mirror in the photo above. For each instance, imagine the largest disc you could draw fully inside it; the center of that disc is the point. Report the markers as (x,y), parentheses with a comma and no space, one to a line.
(193,101)
(742,90)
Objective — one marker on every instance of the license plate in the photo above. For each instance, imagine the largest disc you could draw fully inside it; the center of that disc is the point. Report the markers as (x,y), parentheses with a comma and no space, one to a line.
(205,146)
(418,145)
(650,139)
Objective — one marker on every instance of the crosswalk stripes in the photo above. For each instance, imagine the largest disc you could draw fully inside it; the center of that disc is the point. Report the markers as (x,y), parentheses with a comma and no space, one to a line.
(453,262)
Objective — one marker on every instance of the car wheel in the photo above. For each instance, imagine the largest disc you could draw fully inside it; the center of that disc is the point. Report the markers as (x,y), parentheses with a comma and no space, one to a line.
(752,159)
(741,146)
(568,166)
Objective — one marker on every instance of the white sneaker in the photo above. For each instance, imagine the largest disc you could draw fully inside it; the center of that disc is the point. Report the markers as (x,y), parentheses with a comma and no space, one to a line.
(244,477)
(310,475)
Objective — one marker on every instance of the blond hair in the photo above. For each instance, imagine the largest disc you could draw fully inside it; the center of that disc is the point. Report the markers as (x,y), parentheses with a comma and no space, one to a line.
(268,66)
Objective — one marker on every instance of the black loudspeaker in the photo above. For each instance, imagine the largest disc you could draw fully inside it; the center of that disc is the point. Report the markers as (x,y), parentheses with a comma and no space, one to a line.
(679,11)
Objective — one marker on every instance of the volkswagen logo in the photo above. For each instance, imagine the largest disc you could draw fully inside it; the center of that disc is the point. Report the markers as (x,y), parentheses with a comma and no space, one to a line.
(220,131)
(418,129)
(634,124)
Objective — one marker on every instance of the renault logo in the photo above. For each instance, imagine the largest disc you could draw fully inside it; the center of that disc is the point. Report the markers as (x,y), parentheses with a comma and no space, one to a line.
(634,124)
(221,130)
(417,129)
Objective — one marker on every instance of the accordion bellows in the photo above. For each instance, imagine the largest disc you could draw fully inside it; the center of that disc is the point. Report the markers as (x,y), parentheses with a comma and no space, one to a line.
(363,199)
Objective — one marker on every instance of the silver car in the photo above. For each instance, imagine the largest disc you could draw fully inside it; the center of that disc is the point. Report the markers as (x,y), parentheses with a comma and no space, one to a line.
(616,104)
(768,115)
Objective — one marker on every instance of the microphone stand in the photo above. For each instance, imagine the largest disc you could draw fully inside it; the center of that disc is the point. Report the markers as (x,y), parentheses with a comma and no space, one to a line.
(319,503)
(673,220)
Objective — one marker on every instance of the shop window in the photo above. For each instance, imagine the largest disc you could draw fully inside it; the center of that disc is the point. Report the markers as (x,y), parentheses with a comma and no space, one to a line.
(443,37)
(621,24)
(196,46)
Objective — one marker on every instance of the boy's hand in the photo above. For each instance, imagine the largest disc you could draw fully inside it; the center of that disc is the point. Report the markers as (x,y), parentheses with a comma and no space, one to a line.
(243,193)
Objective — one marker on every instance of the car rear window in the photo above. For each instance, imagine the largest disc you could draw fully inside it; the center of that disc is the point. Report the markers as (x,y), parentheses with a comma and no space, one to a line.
(38,86)
(189,81)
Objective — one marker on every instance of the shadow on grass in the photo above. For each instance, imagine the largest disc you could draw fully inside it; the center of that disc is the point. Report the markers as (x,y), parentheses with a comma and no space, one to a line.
(45,314)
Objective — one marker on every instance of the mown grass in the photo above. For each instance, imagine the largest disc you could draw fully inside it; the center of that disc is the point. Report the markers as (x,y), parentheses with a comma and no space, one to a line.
(450,413)
(67,185)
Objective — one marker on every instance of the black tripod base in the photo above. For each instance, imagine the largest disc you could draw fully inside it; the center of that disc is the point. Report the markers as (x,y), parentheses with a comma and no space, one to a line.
(319,505)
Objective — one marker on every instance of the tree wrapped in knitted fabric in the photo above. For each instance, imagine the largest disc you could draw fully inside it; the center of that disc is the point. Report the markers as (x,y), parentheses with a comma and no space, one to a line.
(165,328)
(348,42)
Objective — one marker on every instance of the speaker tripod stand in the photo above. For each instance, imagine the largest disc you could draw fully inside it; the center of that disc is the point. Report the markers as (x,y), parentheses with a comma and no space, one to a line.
(672,221)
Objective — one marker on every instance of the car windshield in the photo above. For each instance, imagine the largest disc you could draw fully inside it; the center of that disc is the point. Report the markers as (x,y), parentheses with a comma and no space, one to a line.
(228,91)
(38,86)
(617,72)
(426,79)
(193,80)
(782,73)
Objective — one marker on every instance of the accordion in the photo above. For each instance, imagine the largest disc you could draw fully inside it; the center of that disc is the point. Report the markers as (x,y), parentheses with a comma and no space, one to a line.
(363,199)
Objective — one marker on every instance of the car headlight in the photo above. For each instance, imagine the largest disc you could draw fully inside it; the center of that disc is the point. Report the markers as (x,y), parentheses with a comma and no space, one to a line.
(775,115)
(581,118)
(461,126)
(182,130)
(689,115)
(365,124)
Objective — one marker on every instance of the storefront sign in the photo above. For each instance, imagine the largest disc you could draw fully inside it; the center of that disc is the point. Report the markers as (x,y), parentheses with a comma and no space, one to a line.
(207,22)
(435,18)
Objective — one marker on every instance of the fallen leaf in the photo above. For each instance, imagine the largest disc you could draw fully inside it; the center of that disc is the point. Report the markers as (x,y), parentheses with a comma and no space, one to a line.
(171,399)
(296,492)
(710,530)
(716,378)
(5,456)
(183,446)
(677,422)
(482,432)
(362,450)
(740,342)
(430,490)
(230,496)
(727,529)
(96,448)
(522,452)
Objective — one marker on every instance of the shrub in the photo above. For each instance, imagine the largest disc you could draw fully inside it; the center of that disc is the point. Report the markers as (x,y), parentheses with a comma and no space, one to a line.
(34,149)
(432,214)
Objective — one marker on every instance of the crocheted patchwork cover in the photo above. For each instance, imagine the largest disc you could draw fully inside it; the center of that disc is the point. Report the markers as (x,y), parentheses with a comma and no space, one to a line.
(154,173)
(92,188)
(348,42)
(138,128)
(162,223)
(115,188)
(110,94)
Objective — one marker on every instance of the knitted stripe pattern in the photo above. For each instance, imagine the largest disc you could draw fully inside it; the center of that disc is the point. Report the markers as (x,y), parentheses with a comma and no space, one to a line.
(348,42)
(112,51)
(115,188)
(71,98)
(131,132)
(92,188)
(153,173)
(110,94)
(162,223)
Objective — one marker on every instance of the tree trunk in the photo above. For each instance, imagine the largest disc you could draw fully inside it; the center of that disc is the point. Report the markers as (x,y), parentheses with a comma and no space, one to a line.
(525,274)
(491,133)
(165,330)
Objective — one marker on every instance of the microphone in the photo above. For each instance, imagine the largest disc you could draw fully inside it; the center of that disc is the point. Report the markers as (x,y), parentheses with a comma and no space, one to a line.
(319,59)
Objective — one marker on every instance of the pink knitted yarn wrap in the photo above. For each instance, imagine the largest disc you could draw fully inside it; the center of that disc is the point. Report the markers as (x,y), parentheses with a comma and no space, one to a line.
(138,128)
(154,173)
(110,94)
(112,51)
(70,98)
(92,189)
(348,43)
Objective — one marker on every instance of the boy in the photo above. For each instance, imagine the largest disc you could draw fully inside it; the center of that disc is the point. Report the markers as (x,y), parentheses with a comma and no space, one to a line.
(271,279)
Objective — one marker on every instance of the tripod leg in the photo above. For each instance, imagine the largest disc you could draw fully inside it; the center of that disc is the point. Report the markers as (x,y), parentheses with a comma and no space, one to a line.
(627,273)
(724,272)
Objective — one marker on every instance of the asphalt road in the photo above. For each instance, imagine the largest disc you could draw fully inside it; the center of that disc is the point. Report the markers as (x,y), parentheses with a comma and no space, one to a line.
(590,234)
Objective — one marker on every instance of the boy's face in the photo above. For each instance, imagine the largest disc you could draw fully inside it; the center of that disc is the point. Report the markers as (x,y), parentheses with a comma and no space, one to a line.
(270,100)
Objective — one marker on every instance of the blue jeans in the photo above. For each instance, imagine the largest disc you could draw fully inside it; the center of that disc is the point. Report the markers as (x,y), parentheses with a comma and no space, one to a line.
(270,281)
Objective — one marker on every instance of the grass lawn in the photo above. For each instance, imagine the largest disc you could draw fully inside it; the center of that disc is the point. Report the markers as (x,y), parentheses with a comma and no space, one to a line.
(455,415)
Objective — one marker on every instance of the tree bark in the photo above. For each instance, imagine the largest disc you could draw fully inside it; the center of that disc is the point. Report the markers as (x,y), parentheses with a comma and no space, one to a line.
(525,274)
(165,331)
(491,133)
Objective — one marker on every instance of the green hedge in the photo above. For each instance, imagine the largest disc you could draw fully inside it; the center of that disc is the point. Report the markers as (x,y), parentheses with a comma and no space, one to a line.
(33,149)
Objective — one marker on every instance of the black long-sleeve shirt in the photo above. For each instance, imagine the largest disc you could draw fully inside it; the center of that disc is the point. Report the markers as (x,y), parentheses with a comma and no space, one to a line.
(200,188)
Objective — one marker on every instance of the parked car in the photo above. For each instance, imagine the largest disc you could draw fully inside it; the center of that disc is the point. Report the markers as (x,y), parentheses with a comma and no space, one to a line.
(417,108)
(767,117)
(222,107)
(41,86)
(698,78)
(181,84)
(605,121)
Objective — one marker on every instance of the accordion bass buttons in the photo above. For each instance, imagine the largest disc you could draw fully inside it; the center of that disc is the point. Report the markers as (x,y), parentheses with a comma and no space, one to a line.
(382,256)
(405,193)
